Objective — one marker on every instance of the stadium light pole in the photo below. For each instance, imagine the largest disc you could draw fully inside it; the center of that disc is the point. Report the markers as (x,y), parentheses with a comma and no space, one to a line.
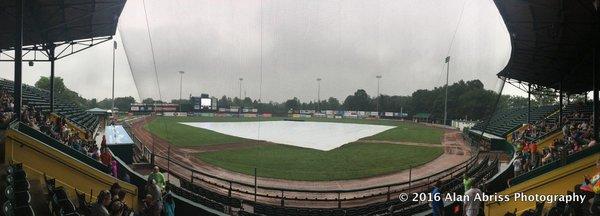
(446,100)
(319,94)
(180,87)
(241,101)
(112,108)
(378,95)
(241,79)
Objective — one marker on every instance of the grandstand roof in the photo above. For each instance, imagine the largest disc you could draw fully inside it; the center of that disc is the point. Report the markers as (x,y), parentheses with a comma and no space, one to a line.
(49,21)
(551,41)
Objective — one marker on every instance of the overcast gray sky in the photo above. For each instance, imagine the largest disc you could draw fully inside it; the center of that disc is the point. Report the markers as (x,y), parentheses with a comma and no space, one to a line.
(346,43)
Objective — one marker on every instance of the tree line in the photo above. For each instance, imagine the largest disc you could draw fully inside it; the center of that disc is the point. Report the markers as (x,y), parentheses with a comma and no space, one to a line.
(466,100)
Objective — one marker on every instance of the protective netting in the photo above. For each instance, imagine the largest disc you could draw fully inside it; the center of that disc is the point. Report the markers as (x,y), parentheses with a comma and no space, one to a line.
(289,44)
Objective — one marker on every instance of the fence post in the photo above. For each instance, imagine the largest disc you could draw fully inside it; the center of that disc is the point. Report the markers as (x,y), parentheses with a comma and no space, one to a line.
(152,158)
(282,199)
(388,193)
(409,178)
(255,185)
(192,177)
(229,193)
(339,200)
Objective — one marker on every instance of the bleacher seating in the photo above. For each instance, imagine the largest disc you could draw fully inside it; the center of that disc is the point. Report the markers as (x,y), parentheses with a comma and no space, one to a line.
(40,99)
(197,198)
(505,121)
(17,193)
(59,202)
(210,195)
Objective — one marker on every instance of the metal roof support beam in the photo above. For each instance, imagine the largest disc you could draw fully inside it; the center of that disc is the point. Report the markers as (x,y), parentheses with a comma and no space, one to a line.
(529,103)
(596,81)
(52,57)
(18,57)
(596,75)
(560,104)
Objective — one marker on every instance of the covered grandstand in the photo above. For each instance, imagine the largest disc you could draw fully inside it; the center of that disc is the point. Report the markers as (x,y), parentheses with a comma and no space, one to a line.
(554,45)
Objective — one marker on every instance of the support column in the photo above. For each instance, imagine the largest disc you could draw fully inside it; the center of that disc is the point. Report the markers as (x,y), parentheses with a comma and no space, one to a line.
(596,82)
(560,104)
(52,60)
(18,57)
(529,103)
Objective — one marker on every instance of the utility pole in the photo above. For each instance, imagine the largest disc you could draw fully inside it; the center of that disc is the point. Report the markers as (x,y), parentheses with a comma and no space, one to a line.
(180,88)
(446,100)
(319,94)
(378,95)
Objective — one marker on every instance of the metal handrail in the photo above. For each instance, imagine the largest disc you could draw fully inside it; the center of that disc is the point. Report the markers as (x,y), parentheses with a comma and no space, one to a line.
(333,196)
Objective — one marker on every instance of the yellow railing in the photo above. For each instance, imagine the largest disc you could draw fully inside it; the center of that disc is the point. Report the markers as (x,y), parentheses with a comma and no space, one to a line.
(39,159)
(546,142)
(510,137)
(80,131)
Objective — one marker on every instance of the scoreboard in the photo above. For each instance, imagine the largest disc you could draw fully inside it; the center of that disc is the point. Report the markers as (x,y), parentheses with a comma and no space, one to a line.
(203,103)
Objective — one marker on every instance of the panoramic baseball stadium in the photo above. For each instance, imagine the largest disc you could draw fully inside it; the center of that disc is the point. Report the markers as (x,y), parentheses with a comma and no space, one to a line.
(307,108)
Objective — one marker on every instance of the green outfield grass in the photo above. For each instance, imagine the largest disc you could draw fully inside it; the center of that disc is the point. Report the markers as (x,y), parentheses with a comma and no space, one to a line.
(351,161)
(169,129)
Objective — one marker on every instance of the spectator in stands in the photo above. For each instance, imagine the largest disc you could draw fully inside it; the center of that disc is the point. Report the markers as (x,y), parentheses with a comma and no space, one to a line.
(158,177)
(105,156)
(472,202)
(115,189)
(100,208)
(151,207)
(533,149)
(548,156)
(592,142)
(114,168)
(126,177)
(94,153)
(116,208)
(467,182)
(517,165)
(153,189)
(565,130)
(103,142)
(121,198)
(169,204)
(437,205)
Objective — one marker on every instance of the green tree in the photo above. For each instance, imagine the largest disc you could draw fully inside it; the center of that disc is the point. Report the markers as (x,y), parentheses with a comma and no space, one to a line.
(293,104)
(544,95)
(359,101)
(148,101)
(62,92)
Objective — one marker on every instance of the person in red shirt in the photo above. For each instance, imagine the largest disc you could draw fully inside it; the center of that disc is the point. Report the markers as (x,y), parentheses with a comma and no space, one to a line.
(533,150)
(103,143)
(105,156)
